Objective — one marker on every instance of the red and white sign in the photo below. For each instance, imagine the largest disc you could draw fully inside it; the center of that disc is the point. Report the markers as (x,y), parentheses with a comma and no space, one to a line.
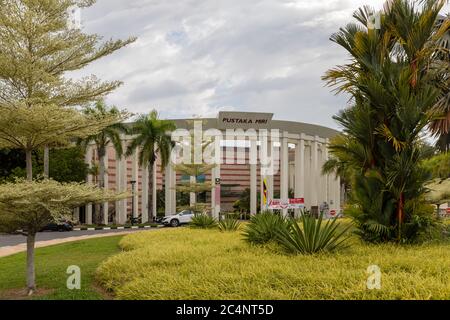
(332,213)
(277,204)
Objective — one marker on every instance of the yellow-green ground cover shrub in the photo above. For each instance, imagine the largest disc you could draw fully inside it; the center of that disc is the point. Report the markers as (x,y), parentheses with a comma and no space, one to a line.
(208,264)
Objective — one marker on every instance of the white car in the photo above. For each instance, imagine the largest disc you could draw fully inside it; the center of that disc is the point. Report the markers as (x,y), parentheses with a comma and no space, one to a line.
(178,219)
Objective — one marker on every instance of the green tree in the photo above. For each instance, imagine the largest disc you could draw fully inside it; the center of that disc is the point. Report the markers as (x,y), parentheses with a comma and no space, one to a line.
(152,139)
(109,135)
(440,127)
(439,166)
(39,49)
(31,205)
(30,129)
(194,171)
(395,82)
(67,165)
(194,186)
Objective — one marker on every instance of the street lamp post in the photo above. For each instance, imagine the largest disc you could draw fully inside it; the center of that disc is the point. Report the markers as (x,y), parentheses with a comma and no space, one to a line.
(133,184)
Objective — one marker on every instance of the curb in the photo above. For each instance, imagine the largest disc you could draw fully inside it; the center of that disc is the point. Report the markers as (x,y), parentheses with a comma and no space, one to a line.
(118,228)
(11,250)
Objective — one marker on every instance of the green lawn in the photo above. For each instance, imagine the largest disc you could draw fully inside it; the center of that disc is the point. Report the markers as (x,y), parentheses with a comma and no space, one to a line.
(206,264)
(51,266)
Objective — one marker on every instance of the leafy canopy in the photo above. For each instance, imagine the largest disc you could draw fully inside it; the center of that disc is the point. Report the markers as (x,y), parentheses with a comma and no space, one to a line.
(30,205)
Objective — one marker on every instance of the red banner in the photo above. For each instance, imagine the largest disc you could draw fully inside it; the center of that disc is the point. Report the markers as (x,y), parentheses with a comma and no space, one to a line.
(277,204)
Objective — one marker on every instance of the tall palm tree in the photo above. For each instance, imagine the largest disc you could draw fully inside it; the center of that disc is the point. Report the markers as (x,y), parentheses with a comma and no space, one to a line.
(440,127)
(152,139)
(395,81)
(108,136)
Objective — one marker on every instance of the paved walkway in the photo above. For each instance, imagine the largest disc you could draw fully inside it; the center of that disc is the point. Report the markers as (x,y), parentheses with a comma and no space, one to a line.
(12,244)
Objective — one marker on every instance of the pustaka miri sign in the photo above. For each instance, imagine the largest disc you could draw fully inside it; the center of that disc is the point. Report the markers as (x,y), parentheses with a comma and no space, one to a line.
(244,120)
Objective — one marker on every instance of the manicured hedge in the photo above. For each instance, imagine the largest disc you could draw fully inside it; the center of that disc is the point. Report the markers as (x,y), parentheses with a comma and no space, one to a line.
(208,264)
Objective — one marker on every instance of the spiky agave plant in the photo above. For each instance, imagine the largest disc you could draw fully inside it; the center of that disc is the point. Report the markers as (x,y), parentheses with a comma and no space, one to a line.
(203,221)
(314,236)
(229,224)
(262,227)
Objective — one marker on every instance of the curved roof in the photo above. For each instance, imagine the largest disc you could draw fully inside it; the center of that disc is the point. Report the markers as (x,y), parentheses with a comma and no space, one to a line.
(289,126)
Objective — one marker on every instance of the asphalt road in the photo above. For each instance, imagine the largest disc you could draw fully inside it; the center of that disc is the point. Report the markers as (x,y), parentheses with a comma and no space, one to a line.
(12,240)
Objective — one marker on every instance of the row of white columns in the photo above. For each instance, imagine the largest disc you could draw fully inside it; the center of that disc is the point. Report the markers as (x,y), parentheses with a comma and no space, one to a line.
(306,170)
(322,188)
(121,206)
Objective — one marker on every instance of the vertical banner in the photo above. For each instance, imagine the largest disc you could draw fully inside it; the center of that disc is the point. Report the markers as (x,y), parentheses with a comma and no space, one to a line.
(265,193)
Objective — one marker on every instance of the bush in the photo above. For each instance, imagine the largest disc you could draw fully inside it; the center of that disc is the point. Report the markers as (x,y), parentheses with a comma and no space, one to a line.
(229,224)
(262,227)
(203,221)
(314,236)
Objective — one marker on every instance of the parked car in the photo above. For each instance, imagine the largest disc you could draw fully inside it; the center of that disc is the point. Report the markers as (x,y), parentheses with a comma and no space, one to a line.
(58,226)
(178,219)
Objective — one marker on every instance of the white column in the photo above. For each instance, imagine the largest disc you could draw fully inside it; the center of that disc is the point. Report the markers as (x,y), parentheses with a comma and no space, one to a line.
(173,190)
(253,178)
(326,177)
(284,176)
(76,215)
(291,176)
(269,177)
(144,197)
(135,177)
(88,160)
(121,173)
(217,192)
(168,202)
(308,174)
(215,174)
(124,202)
(315,172)
(213,192)
(340,193)
(299,168)
(118,189)
(192,196)
(154,192)
(263,151)
(106,183)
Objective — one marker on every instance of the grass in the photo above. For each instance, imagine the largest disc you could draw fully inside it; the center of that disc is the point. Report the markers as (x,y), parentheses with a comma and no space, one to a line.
(51,266)
(207,264)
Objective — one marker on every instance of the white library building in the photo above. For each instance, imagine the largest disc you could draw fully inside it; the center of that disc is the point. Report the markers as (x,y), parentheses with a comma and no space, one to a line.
(279,163)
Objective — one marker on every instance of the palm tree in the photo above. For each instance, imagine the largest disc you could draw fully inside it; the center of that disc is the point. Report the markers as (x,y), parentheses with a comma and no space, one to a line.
(440,127)
(394,81)
(152,138)
(108,136)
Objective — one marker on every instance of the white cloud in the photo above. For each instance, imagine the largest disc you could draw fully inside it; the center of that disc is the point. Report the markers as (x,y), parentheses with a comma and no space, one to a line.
(199,57)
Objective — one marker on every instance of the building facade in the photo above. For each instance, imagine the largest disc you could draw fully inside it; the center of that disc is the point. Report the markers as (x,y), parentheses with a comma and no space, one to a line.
(244,143)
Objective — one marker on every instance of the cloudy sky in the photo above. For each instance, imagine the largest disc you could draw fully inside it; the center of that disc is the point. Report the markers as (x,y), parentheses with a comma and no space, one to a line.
(197,57)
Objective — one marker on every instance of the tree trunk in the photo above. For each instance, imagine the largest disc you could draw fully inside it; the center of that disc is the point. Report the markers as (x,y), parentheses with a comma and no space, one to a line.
(29,165)
(31,277)
(46,162)
(150,191)
(401,203)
